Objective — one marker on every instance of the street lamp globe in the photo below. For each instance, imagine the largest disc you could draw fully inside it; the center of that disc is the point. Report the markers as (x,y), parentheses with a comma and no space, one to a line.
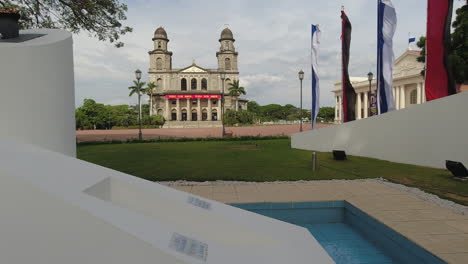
(138,74)
(301,75)
(223,76)
(370,76)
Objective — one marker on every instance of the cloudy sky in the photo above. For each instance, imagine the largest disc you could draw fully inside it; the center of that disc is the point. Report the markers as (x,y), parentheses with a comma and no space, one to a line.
(272,38)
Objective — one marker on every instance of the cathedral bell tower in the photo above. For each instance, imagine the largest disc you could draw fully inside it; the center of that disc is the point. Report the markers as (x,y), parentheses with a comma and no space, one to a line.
(160,57)
(227,55)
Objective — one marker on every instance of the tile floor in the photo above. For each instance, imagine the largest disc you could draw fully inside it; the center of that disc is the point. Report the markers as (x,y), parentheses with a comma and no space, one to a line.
(438,230)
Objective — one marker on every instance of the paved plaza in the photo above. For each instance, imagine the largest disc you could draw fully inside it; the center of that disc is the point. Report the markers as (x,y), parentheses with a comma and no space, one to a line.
(439,230)
(124,134)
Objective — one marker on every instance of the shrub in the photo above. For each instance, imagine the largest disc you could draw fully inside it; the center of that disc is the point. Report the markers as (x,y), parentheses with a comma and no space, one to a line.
(183,139)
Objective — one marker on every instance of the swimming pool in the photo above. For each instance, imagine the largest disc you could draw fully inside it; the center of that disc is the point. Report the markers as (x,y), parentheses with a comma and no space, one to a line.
(347,234)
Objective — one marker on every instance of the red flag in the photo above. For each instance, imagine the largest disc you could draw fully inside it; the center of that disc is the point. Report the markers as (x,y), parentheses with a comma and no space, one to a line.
(349,95)
(439,81)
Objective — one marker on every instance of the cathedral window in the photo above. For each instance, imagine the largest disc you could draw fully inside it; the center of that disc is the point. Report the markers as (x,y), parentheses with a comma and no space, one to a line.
(159,83)
(227,64)
(174,102)
(204,84)
(193,85)
(159,44)
(413,97)
(159,64)
(183,84)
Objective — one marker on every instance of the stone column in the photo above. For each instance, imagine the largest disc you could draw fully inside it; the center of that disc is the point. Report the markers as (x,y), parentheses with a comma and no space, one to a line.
(336,107)
(403,98)
(219,110)
(209,110)
(189,110)
(199,113)
(423,99)
(151,106)
(358,103)
(179,116)
(366,105)
(339,110)
(418,94)
(397,97)
(168,110)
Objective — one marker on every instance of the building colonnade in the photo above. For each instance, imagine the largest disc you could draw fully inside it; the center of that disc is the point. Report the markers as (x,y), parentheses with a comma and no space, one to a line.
(192,109)
(404,95)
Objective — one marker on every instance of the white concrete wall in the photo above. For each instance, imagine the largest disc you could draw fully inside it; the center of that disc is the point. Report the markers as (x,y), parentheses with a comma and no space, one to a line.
(37,103)
(426,134)
(57,209)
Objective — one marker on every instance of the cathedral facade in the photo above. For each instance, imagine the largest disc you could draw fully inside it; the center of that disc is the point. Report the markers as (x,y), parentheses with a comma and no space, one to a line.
(192,96)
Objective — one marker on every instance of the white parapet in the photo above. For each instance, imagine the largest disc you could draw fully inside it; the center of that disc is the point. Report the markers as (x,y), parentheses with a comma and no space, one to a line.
(56,209)
(425,134)
(37,91)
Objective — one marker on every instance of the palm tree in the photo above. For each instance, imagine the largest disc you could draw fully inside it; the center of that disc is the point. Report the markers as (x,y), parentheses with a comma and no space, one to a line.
(137,88)
(149,91)
(236,90)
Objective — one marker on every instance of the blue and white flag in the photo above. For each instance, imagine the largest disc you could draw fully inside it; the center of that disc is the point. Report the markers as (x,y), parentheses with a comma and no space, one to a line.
(386,25)
(411,39)
(315,41)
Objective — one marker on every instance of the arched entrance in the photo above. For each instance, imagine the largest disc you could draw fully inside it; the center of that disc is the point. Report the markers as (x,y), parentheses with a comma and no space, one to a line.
(184,115)
(214,115)
(204,115)
(174,115)
(194,115)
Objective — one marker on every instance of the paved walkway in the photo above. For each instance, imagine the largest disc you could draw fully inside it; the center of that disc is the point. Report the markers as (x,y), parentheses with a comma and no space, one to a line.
(99,135)
(438,230)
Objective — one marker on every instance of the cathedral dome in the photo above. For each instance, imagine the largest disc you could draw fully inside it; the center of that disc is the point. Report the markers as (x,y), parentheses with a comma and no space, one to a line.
(160,33)
(226,34)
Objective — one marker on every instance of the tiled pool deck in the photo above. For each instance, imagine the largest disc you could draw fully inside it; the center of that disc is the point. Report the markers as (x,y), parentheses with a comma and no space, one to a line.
(438,230)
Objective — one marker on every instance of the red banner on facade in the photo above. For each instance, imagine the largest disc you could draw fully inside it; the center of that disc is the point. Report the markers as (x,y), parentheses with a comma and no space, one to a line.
(193,96)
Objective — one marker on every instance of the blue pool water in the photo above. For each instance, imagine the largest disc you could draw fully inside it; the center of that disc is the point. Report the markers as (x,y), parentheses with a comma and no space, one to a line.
(346,233)
(346,245)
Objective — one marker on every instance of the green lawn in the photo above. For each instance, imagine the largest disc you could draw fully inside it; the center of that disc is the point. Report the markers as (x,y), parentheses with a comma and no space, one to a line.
(262,160)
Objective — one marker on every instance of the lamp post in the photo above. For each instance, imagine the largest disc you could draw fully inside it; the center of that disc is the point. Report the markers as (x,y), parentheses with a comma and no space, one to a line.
(138,77)
(301,77)
(223,77)
(370,76)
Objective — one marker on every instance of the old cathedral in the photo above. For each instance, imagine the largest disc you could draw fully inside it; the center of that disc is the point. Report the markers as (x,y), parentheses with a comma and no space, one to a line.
(191,96)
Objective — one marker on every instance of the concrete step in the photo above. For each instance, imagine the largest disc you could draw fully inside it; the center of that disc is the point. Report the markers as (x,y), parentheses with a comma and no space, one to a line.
(192,124)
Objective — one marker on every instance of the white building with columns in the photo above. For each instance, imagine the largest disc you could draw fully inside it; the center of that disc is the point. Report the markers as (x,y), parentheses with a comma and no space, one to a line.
(408,87)
(191,96)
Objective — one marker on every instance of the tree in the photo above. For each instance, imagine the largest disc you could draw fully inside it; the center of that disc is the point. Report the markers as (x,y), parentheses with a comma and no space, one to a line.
(137,88)
(273,112)
(327,113)
(149,91)
(422,55)
(100,18)
(253,107)
(236,90)
(92,116)
(232,117)
(458,58)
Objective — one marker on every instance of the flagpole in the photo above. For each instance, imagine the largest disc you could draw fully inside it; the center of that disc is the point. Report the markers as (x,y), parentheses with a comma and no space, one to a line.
(377,79)
(342,68)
